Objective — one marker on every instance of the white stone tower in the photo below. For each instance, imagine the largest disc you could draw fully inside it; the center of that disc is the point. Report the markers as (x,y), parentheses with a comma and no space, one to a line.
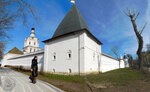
(31,44)
(125,60)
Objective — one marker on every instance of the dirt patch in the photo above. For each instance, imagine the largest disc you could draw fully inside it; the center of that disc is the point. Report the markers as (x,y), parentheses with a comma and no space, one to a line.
(70,87)
(138,86)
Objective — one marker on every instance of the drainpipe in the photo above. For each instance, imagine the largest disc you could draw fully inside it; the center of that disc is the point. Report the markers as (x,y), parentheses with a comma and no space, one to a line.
(79,53)
(45,58)
(100,60)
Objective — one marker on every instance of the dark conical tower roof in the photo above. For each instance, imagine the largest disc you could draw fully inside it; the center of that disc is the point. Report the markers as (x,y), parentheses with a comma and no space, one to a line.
(72,22)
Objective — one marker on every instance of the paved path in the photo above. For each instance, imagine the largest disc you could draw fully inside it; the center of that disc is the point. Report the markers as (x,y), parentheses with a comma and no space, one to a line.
(12,81)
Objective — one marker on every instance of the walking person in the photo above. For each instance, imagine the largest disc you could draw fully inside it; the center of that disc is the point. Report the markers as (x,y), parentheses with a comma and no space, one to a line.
(34,69)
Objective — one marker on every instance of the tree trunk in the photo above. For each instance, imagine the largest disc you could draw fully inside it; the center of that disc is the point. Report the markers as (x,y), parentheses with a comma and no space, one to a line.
(140,42)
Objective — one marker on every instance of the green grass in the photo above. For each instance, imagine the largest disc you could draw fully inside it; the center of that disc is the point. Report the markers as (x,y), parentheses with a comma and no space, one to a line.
(67,78)
(119,76)
(48,76)
(75,83)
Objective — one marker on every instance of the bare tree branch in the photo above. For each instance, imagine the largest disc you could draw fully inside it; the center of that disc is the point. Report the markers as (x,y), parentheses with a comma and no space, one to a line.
(115,51)
(136,16)
(129,11)
(125,12)
(143,28)
(21,10)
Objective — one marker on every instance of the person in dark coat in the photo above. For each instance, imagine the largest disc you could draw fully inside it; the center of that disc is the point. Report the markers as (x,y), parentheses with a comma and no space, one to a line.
(34,69)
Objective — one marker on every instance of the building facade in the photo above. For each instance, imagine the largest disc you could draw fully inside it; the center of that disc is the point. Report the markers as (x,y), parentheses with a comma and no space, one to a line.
(72,49)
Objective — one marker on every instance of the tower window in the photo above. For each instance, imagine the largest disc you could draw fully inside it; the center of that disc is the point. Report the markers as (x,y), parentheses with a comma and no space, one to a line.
(34,43)
(29,43)
(54,56)
(69,71)
(54,70)
(69,54)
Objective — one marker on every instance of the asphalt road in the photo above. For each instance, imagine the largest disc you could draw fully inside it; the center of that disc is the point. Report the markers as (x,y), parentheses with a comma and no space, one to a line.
(12,81)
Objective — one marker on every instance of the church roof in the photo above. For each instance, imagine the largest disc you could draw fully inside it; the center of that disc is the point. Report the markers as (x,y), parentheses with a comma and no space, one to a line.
(15,51)
(72,22)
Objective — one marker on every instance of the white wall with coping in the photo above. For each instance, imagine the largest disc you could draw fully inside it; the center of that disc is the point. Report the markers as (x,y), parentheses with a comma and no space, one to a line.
(25,60)
(7,56)
(109,63)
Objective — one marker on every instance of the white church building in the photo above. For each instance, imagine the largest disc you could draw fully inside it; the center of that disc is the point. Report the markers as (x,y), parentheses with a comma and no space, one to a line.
(31,44)
(72,49)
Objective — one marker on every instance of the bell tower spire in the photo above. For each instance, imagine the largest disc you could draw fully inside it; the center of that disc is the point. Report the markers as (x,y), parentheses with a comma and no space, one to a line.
(32,32)
(73,1)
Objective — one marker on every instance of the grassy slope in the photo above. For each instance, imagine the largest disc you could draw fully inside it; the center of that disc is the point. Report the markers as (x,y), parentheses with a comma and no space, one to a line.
(119,76)
(115,77)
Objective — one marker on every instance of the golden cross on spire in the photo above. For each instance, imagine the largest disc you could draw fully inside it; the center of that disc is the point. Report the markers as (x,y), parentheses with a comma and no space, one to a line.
(72,1)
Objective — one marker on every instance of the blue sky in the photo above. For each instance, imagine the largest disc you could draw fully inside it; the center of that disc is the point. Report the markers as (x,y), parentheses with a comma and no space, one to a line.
(104,17)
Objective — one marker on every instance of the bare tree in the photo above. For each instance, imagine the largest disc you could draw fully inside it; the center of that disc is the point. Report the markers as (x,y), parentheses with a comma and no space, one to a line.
(10,11)
(133,16)
(115,51)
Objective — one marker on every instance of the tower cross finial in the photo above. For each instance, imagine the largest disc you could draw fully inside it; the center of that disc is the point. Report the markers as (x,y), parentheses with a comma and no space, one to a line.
(73,1)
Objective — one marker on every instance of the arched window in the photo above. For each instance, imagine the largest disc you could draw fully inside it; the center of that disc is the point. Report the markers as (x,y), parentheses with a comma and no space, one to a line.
(30,50)
(69,71)
(34,43)
(69,54)
(29,43)
(54,70)
(54,56)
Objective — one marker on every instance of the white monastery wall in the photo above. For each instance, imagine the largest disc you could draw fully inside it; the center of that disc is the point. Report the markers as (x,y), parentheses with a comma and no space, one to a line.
(25,60)
(7,56)
(108,63)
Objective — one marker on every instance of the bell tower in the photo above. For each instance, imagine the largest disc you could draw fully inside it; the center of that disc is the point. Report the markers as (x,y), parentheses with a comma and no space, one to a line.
(31,44)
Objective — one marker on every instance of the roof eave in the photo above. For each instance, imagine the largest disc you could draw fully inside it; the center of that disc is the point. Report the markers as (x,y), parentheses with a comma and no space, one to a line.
(74,32)
(94,37)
